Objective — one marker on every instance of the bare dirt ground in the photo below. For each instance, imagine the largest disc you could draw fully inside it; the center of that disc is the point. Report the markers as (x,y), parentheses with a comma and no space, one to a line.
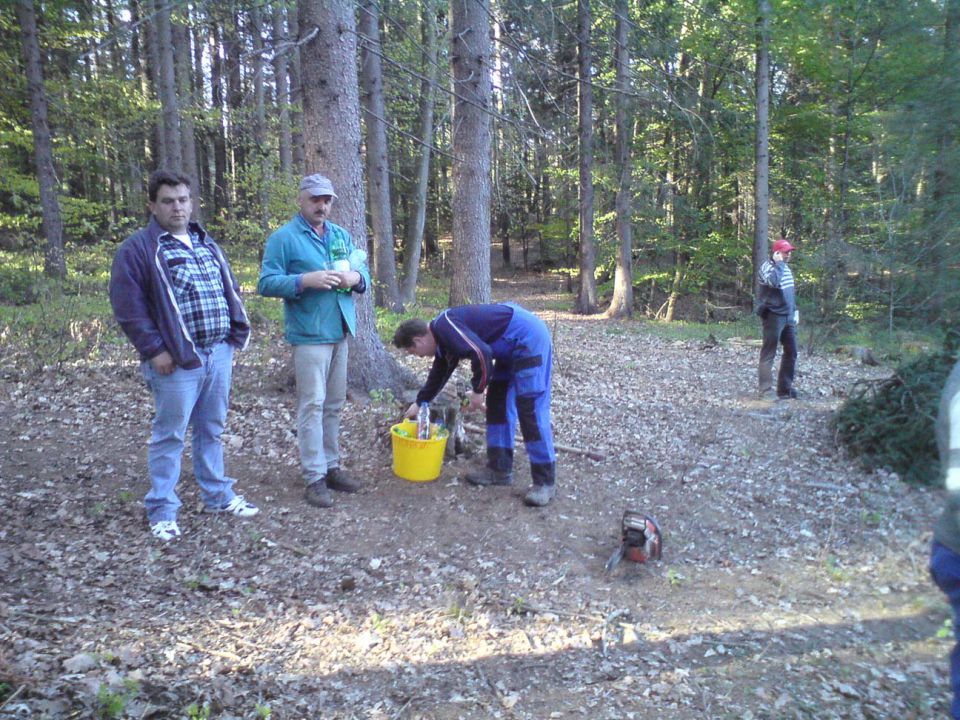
(793,584)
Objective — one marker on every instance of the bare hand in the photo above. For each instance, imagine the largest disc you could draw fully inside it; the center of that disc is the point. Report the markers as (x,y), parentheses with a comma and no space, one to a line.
(475,401)
(163,363)
(778,256)
(321,279)
(412,412)
(348,279)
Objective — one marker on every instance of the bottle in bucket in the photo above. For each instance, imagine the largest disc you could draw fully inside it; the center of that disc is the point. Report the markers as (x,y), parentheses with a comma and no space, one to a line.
(423,422)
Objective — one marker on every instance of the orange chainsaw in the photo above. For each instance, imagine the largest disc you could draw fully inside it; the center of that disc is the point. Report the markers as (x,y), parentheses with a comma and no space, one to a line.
(640,540)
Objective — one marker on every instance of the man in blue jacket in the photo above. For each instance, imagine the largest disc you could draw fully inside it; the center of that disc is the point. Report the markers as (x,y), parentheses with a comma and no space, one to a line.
(945,553)
(174,296)
(777,306)
(312,264)
(511,353)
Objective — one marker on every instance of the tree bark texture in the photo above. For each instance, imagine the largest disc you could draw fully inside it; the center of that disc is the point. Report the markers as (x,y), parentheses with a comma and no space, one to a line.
(387,293)
(415,227)
(297,149)
(761,171)
(331,130)
(55,264)
(622,301)
(470,59)
(587,294)
(169,106)
(187,104)
(282,88)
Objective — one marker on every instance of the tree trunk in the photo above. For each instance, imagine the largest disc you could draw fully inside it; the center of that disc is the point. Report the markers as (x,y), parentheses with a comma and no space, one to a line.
(761,171)
(414,239)
(282,89)
(331,128)
(259,120)
(622,302)
(187,104)
(54,263)
(387,294)
(170,108)
(587,296)
(220,200)
(297,149)
(470,58)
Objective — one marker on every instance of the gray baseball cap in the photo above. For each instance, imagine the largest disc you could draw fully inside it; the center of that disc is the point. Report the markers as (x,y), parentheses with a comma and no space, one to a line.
(317,185)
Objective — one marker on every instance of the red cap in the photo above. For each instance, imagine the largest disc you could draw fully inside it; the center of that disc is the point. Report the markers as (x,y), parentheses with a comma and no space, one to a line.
(782,246)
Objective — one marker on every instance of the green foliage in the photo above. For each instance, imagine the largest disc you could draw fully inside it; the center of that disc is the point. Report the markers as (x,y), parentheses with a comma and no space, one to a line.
(112,702)
(195,711)
(890,423)
(55,331)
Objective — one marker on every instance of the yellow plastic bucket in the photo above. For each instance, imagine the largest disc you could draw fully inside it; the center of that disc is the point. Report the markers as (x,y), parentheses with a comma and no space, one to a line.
(413,459)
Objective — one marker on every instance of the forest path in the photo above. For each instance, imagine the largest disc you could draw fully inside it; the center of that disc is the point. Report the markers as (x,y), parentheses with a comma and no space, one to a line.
(792,585)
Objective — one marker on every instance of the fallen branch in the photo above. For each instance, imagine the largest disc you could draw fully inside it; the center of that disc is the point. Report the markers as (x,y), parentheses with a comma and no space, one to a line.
(592,454)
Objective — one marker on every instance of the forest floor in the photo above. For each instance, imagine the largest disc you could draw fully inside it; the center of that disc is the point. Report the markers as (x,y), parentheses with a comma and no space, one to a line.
(793,584)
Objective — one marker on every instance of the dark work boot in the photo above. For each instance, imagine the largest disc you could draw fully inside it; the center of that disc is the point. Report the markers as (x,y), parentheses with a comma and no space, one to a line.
(318,495)
(337,479)
(540,495)
(488,476)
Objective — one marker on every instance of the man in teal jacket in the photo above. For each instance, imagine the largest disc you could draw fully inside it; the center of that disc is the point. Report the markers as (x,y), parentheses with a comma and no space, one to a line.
(312,264)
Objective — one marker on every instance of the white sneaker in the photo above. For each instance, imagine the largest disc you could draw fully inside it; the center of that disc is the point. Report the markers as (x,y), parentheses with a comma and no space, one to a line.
(165,530)
(238,506)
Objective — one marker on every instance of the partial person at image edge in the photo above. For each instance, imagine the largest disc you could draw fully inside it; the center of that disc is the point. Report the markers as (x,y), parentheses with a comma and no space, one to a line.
(945,552)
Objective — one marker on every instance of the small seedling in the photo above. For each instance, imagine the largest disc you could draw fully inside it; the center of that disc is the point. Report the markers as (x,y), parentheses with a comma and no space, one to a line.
(125,496)
(195,711)
(519,607)
(263,712)
(458,613)
(871,518)
(112,703)
(837,574)
(674,578)
(946,630)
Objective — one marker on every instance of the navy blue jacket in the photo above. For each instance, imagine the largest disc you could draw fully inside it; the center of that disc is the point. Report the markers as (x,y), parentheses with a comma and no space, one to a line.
(141,293)
(466,332)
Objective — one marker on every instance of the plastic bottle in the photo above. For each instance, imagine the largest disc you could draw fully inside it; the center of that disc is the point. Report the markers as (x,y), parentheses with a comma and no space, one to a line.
(423,422)
(339,259)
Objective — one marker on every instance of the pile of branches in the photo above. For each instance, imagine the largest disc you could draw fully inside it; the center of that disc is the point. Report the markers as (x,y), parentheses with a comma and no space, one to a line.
(890,423)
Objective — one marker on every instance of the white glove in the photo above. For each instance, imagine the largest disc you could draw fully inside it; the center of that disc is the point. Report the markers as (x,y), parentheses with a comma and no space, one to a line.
(796,317)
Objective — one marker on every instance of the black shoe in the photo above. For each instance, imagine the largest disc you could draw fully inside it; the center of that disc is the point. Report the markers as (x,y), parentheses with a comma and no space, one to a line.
(488,476)
(318,495)
(337,479)
(540,495)
(789,395)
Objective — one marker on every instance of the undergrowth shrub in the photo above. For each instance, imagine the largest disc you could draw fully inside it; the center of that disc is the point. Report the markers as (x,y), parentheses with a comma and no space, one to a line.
(889,423)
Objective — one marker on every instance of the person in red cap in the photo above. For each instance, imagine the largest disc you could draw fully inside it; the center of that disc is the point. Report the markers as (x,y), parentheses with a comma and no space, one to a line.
(777,306)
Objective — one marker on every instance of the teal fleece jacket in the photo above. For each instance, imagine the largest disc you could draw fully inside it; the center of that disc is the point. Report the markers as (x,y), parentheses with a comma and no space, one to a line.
(311,316)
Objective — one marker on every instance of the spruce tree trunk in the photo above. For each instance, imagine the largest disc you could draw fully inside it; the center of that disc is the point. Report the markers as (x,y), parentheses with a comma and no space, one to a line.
(297,150)
(622,302)
(761,172)
(54,263)
(187,104)
(282,89)
(470,58)
(170,108)
(415,228)
(387,293)
(331,129)
(220,200)
(587,295)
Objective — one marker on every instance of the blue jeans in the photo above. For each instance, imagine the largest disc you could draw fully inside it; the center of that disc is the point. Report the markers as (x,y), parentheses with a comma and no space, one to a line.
(189,397)
(945,569)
